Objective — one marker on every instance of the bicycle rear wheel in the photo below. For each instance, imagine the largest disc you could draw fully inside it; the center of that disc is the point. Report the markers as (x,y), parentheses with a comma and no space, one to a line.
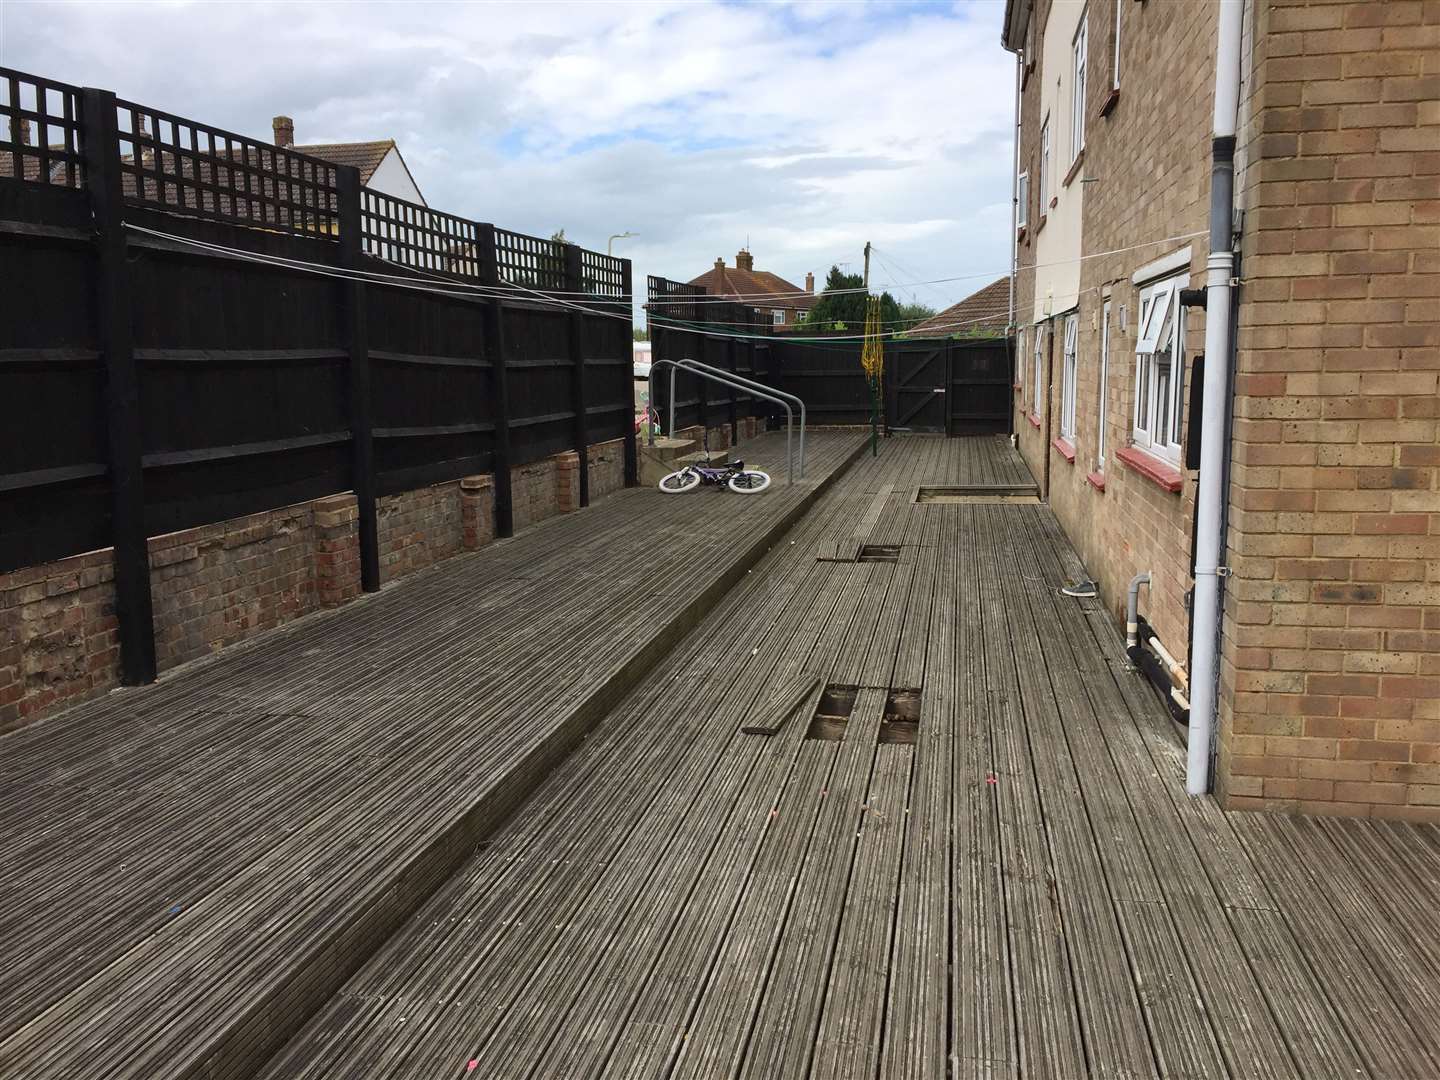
(749,482)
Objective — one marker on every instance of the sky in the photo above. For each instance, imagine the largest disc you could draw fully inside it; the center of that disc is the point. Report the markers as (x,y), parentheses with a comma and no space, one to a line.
(801,129)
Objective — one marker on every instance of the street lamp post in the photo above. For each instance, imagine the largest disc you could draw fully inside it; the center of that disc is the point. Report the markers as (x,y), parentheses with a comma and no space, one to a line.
(610,244)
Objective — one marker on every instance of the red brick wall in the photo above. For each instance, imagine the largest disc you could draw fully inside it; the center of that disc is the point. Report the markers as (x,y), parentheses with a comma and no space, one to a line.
(1332,659)
(220,584)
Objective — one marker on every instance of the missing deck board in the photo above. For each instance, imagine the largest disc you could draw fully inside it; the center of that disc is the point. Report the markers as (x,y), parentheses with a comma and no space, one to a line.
(832,713)
(900,722)
(999,494)
(879,553)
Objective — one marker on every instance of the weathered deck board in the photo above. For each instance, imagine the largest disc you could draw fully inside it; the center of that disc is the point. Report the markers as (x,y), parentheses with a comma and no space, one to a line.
(362,775)
(679,898)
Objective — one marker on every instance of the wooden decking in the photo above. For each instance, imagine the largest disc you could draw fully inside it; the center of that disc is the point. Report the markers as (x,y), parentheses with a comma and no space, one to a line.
(1016,887)
(998,875)
(188,870)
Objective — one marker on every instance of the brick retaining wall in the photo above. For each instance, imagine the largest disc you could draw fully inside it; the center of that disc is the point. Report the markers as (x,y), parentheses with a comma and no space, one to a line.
(220,584)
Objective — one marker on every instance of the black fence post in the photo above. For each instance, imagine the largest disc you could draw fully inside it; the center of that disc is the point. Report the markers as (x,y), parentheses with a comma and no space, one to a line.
(575,285)
(702,386)
(134,610)
(632,449)
(499,382)
(732,318)
(357,344)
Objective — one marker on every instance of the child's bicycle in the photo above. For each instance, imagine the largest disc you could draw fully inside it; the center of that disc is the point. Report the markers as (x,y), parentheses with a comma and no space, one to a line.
(731,474)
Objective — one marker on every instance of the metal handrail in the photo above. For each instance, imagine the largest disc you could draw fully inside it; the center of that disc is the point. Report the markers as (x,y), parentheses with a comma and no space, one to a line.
(753,385)
(724,380)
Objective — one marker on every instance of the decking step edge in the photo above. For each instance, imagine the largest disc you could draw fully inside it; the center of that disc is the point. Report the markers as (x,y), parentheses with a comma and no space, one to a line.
(253,1037)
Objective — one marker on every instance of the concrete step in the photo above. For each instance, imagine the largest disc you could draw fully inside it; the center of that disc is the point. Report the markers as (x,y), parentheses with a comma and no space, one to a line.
(657,460)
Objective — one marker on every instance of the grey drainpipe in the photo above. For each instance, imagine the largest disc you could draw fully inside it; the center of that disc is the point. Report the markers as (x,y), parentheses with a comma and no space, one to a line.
(1219,343)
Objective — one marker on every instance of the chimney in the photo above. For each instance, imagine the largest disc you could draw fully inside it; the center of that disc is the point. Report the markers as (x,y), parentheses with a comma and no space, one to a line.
(284,129)
(719,264)
(744,260)
(810,283)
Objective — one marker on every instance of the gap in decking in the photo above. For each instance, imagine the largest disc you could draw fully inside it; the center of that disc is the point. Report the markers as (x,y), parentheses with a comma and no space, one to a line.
(1001,495)
(879,553)
(900,723)
(832,713)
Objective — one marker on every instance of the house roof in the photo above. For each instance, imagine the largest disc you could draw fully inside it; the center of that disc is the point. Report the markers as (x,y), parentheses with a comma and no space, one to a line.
(365,156)
(986,312)
(757,287)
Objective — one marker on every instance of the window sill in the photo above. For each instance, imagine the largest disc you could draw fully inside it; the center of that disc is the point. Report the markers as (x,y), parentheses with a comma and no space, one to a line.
(1039,224)
(1054,201)
(1158,472)
(1074,168)
(1020,232)
(1111,100)
(1067,451)
(1096,480)
(1034,420)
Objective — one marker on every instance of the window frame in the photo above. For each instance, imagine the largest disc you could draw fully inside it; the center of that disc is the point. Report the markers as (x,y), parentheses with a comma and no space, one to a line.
(1079,63)
(1103,389)
(777,316)
(1020,354)
(1022,200)
(1069,377)
(1044,164)
(1147,413)
(1037,370)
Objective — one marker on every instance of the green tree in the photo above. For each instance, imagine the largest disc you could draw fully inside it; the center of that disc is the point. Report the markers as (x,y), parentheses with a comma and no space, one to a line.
(841,305)
(911,314)
(640,333)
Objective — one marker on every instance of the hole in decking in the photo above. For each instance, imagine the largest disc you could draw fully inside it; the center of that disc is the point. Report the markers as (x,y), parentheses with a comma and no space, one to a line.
(900,723)
(998,494)
(832,713)
(879,553)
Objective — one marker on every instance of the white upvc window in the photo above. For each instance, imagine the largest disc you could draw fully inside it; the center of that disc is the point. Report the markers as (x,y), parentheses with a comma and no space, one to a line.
(1044,166)
(1068,378)
(1115,53)
(1103,389)
(777,315)
(1160,368)
(1022,200)
(1020,355)
(1077,89)
(1038,371)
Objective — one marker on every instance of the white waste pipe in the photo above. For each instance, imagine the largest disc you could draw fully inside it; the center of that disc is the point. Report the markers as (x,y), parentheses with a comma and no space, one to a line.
(1210,495)
(1171,664)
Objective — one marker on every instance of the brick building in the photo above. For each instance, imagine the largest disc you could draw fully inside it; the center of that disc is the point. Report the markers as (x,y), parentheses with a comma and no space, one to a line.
(783,303)
(1329,695)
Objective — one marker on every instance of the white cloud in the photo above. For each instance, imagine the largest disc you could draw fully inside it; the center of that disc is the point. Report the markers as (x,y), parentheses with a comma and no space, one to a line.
(807,128)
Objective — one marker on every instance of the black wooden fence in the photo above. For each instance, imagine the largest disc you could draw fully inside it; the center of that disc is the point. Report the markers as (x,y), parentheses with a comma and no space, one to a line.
(199,325)
(955,386)
(686,323)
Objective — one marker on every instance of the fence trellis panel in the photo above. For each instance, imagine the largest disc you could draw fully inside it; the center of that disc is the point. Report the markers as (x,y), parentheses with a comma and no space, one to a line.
(255,384)
(189,167)
(415,236)
(42,130)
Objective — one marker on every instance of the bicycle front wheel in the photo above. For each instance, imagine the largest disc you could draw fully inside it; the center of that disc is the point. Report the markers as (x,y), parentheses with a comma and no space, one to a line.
(676,482)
